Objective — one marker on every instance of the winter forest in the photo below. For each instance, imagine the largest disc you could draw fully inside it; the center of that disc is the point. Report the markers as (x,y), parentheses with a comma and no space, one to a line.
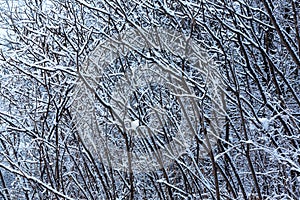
(152,99)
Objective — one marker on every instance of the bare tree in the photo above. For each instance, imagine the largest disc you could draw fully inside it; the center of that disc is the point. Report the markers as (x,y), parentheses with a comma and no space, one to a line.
(224,71)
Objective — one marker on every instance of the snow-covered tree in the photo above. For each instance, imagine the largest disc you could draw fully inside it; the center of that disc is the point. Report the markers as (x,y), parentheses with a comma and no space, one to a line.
(209,89)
